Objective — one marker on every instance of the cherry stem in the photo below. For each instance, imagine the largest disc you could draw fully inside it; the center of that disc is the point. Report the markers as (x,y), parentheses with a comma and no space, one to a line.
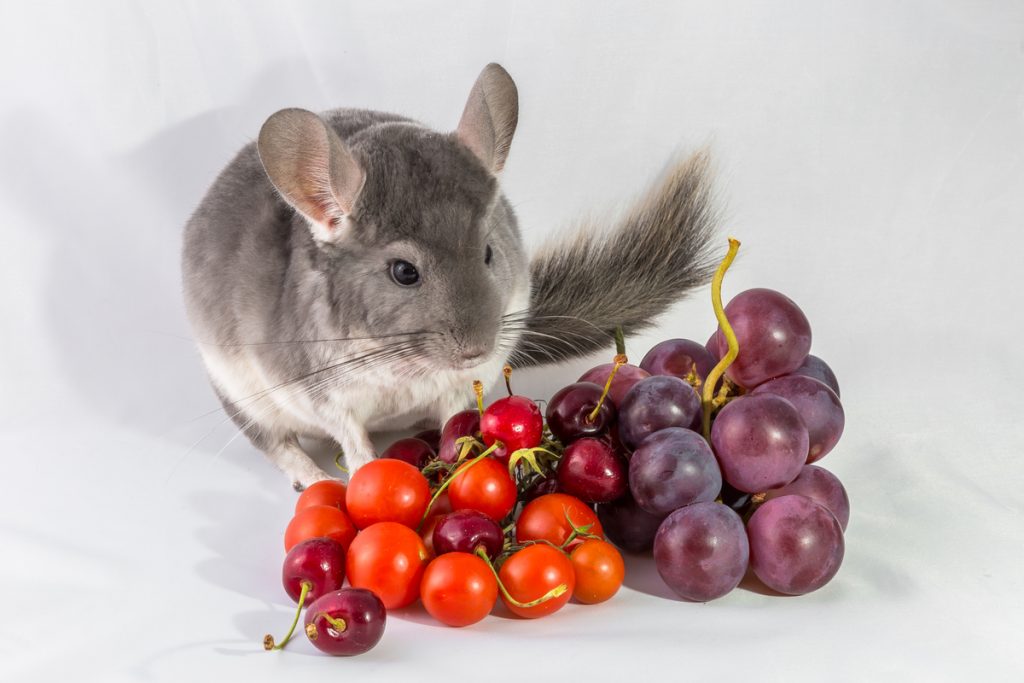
(478,389)
(507,371)
(734,347)
(620,341)
(451,476)
(555,592)
(620,360)
(268,640)
(337,463)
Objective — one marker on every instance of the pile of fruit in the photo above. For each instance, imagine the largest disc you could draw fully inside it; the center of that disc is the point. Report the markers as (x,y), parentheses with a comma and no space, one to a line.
(702,453)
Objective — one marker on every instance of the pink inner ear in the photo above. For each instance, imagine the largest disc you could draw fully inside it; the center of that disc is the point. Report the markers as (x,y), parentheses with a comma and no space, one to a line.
(478,137)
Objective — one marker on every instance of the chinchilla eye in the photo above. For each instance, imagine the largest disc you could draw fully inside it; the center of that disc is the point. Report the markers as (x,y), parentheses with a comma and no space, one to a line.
(487,256)
(404,273)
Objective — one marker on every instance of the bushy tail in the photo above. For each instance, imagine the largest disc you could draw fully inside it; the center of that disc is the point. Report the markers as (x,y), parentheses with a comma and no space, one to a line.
(586,285)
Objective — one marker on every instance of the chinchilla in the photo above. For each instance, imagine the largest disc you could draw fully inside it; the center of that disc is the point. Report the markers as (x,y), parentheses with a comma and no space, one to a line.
(355,270)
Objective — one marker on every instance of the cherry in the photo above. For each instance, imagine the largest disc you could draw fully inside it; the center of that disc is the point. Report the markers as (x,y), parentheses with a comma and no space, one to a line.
(591,470)
(515,421)
(569,412)
(414,451)
(465,423)
(466,530)
(432,437)
(626,376)
(311,569)
(539,488)
(349,621)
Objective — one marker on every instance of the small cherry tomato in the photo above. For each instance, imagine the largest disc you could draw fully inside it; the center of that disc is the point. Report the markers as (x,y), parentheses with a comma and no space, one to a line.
(387,491)
(515,421)
(547,518)
(599,571)
(316,521)
(534,572)
(327,492)
(486,487)
(458,589)
(388,558)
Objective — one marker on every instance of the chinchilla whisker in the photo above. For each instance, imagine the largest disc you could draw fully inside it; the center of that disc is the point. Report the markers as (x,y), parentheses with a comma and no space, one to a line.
(322,341)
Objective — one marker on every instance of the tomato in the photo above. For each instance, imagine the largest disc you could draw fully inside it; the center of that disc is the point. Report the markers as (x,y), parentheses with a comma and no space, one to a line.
(387,558)
(547,518)
(316,521)
(599,571)
(458,589)
(530,573)
(486,487)
(327,492)
(387,491)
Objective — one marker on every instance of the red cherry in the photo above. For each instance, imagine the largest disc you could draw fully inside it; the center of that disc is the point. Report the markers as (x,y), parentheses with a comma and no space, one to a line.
(515,421)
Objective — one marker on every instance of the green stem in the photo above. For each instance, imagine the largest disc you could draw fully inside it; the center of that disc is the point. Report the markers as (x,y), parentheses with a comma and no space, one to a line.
(555,592)
(268,640)
(734,348)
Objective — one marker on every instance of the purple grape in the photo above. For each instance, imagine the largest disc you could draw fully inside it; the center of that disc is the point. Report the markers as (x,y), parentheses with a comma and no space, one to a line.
(760,441)
(568,412)
(712,346)
(821,486)
(463,531)
(357,620)
(819,370)
(701,551)
(654,404)
(628,525)
(677,357)
(796,545)
(773,334)
(818,406)
(414,451)
(591,470)
(672,468)
(625,378)
(465,423)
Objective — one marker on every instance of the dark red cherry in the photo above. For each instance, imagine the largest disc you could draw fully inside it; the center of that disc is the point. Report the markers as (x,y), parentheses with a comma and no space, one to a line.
(414,451)
(311,569)
(432,437)
(569,410)
(465,423)
(349,621)
(591,470)
(463,531)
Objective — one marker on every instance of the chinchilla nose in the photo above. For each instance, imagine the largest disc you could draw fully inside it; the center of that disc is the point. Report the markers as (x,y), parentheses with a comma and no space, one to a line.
(474,352)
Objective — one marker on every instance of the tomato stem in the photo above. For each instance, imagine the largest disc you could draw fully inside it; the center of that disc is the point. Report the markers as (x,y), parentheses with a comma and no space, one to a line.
(555,592)
(268,640)
(451,476)
(723,322)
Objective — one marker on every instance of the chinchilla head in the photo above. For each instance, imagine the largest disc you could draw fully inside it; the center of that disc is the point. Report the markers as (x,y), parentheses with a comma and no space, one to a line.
(412,234)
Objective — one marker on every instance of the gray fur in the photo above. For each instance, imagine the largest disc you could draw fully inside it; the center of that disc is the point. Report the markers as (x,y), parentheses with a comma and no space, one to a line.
(303,331)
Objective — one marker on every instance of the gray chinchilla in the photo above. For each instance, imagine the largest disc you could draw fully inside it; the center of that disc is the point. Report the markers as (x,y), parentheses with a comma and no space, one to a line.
(356,270)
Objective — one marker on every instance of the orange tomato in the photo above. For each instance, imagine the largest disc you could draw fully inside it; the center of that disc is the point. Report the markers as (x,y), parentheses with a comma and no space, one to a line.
(316,521)
(531,573)
(599,571)
(547,518)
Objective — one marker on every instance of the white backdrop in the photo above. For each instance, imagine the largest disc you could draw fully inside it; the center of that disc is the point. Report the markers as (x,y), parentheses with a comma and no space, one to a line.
(869,155)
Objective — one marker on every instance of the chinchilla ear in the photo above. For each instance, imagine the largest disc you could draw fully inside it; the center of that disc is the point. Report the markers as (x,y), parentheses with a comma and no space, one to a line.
(312,169)
(490,117)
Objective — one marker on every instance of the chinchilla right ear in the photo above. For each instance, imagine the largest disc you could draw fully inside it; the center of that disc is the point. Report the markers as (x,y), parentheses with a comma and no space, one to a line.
(490,117)
(312,169)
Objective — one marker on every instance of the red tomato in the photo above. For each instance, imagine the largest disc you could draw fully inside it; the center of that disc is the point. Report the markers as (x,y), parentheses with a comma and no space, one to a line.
(316,521)
(458,589)
(547,518)
(387,491)
(530,573)
(388,559)
(327,492)
(486,487)
(599,571)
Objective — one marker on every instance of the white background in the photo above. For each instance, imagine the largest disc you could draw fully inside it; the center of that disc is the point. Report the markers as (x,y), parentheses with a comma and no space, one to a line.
(869,155)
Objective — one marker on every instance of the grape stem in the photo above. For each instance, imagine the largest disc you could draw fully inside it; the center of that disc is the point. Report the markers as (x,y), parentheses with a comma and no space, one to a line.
(268,640)
(723,322)
(555,592)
